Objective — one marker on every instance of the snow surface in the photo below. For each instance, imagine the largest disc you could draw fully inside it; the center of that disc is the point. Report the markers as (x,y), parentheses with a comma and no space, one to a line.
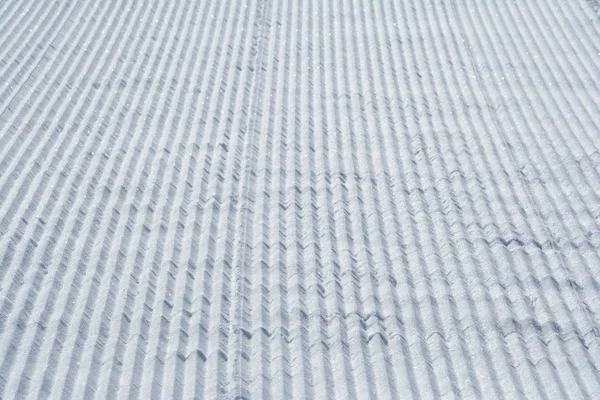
(299,199)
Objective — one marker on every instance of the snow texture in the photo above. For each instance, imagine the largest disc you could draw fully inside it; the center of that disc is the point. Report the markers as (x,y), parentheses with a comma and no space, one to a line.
(273,199)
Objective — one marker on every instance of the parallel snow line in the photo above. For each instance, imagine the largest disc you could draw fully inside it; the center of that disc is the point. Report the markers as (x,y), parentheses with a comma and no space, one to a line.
(368,205)
(163,174)
(36,58)
(486,128)
(299,199)
(34,157)
(49,232)
(200,316)
(100,167)
(85,247)
(23,223)
(111,263)
(18,25)
(33,29)
(184,108)
(455,161)
(242,253)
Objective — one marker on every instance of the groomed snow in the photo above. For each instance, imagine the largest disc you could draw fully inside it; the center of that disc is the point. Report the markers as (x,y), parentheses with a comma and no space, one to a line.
(299,199)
